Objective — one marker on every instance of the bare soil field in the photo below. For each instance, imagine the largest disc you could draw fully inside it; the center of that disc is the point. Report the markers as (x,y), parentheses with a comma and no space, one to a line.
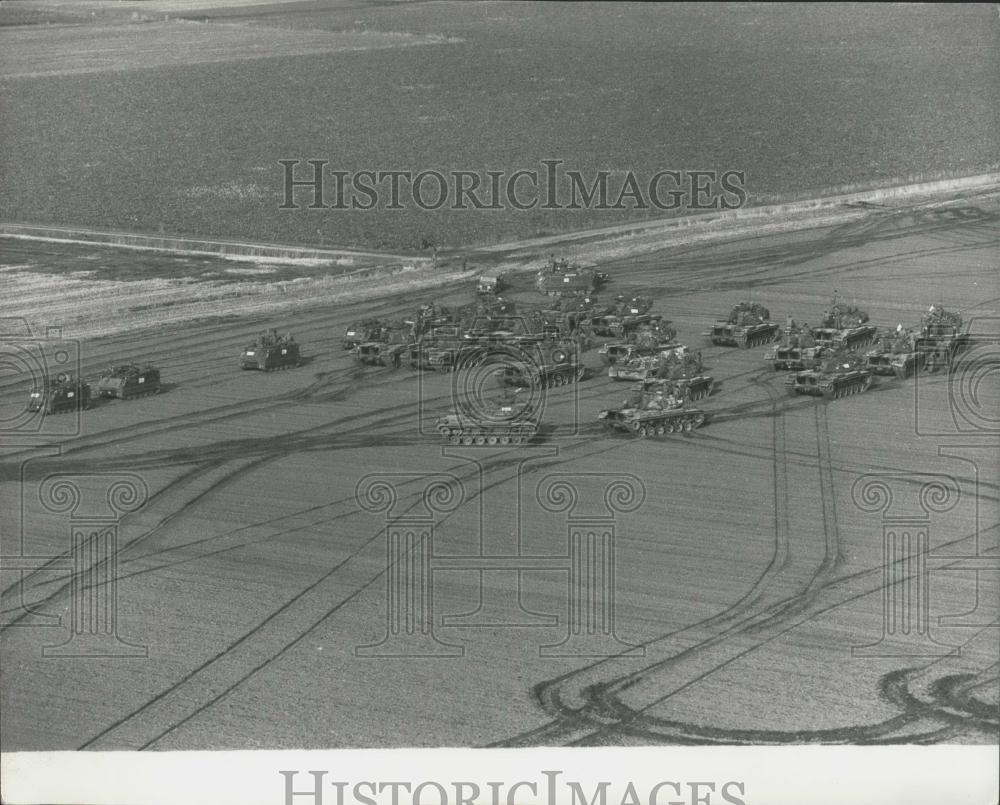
(264,604)
(116,116)
(99,49)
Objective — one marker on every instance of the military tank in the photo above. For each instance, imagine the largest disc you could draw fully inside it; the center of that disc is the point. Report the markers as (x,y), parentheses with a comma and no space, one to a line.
(430,316)
(503,420)
(650,339)
(652,413)
(841,374)
(378,353)
(128,381)
(687,388)
(441,354)
(59,395)
(493,305)
(361,332)
(748,325)
(681,374)
(622,325)
(941,338)
(270,352)
(556,364)
(797,349)
(894,353)
(844,327)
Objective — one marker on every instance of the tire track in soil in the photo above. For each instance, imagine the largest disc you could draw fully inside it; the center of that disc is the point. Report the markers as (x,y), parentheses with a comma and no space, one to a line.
(604,718)
(576,722)
(221,674)
(247,460)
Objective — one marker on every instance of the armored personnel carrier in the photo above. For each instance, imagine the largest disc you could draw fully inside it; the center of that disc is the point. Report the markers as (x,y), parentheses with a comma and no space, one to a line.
(59,395)
(941,338)
(894,353)
(129,381)
(652,413)
(271,351)
(748,325)
(841,373)
(844,327)
(504,420)
(797,350)
(562,278)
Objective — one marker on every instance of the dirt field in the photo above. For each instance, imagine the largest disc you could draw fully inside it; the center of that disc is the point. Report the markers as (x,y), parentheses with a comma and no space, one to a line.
(751,566)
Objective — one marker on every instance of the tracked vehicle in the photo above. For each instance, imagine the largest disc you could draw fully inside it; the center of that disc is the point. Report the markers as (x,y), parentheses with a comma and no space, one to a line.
(361,332)
(557,364)
(377,353)
(491,282)
(129,381)
(652,413)
(502,421)
(941,338)
(59,395)
(844,327)
(679,375)
(562,278)
(894,353)
(651,339)
(797,350)
(617,354)
(271,352)
(841,374)
(748,325)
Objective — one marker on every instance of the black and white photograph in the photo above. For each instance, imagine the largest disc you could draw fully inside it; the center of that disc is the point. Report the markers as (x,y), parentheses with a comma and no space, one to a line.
(453,402)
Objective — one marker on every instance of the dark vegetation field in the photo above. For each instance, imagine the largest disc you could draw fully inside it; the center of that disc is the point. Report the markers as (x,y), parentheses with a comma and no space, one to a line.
(803,99)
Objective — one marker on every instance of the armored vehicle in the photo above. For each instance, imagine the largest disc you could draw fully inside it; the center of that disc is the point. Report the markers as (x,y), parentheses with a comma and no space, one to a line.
(841,373)
(941,338)
(652,413)
(360,332)
(748,325)
(680,375)
(894,353)
(490,305)
(557,364)
(129,381)
(378,353)
(428,317)
(797,350)
(271,351)
(649,338)
(647,342)
(504,420)
(561,278)
(616,325)
(59,395)
(844,327)
(491,282)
